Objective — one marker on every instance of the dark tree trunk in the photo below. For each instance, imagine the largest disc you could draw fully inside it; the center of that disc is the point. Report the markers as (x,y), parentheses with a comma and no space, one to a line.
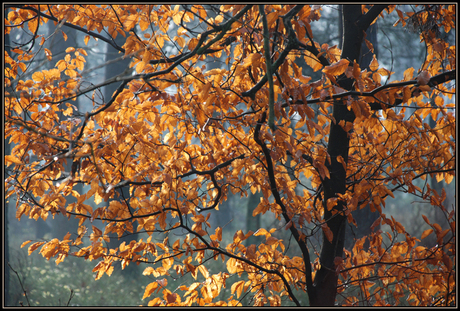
(324,292)
(364,217)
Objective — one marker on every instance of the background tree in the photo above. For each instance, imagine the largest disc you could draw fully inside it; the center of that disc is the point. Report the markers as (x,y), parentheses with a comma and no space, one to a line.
(175,138)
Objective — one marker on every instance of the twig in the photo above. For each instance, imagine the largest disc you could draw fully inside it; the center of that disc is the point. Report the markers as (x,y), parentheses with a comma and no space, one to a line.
(20,282)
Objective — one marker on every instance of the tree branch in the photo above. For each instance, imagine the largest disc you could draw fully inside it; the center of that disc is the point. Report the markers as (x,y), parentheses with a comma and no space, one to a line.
(366,20)
(269,73)
(438,79)
(91,33)
(274,189)
(293,43)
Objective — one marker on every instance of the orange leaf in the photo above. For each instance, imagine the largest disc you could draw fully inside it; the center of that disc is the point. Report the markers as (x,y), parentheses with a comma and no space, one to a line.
(423,78)
(262,231)
(447,261)
(374,65)
(238,287)
(327,232)
(337,68)
(342,161)
(426,233)
(271,240)
(205,91)
(171,298)
(25,243)
(12,159)
(252,58)
(426,219)
(408,74)
(33,24)
(271,18)
(331,202)
(150,289)
(34,246)
(38,76)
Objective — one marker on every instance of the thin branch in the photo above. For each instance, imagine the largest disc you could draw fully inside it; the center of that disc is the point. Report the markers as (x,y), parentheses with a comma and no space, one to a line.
(269,74)
(20,282)
(273,188)
(91,33)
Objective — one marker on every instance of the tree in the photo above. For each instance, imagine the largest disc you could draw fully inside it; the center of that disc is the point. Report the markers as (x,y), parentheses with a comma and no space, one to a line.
(180,138)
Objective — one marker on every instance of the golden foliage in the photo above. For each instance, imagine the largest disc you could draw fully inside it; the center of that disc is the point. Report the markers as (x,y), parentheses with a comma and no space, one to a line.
(181,155)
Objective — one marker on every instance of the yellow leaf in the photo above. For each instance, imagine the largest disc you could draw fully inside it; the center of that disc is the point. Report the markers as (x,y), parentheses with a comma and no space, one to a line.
(140,66)
(203,271)
(192,288)
(177,18)
(148,271)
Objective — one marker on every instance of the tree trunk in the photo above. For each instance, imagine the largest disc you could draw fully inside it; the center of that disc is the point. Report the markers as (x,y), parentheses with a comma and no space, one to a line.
(364,217)
(325,283)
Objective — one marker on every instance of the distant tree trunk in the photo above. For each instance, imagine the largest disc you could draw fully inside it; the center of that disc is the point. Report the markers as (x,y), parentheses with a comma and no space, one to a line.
(60,228)
(122,194)
(252,223)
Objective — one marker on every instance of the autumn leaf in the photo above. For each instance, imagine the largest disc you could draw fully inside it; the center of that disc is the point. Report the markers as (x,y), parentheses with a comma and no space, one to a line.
(327,232)
(150,289)
(423,77)
(271,240)
(337,68)
(374,65)
(34,246)
(252,59)
(426,233)
(238,288)
(25,243)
